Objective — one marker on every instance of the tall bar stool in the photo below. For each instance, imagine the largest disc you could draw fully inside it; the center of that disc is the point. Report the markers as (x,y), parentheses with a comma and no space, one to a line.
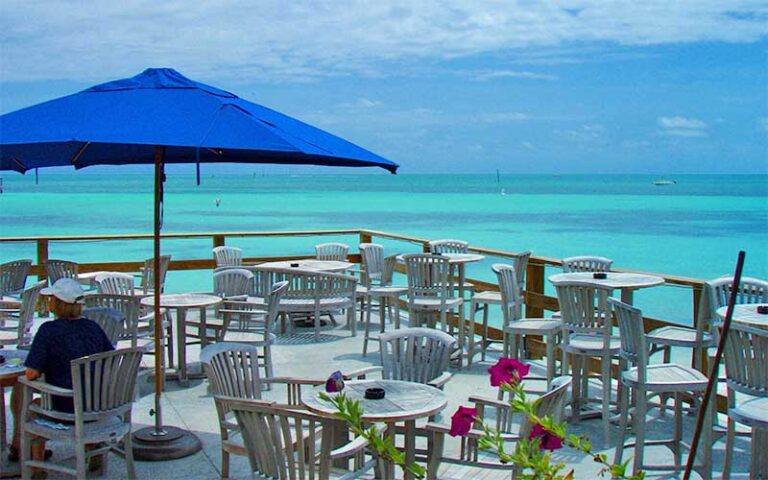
(587,334)
(746,358)
(377,279)
(644,380)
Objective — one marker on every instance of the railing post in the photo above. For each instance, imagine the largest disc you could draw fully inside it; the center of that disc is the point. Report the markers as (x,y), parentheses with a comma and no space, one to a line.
(42,256)
(365,237)
(218,241)
(701,362)
(534,284)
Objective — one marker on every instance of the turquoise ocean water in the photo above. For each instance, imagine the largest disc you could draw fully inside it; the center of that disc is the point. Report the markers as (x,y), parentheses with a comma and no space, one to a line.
(693,228)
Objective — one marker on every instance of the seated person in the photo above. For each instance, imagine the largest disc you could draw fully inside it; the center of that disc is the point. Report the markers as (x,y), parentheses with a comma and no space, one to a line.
(57,342)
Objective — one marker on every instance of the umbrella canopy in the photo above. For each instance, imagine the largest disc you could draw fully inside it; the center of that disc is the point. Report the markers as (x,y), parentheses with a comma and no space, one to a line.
(160,117)
(121,122)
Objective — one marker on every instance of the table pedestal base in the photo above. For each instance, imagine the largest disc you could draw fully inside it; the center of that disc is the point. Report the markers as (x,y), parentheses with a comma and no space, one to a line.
(8,469)
(176,443)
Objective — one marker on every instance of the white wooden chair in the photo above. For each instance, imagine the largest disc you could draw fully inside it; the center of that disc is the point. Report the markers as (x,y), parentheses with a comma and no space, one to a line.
(115,283)
(377,279)
(13,277)
(416,355)
(317,294)
(17,322)
(642,380)
(233,370)
(228,256)
(586,334)
(448,246)
(287,444)
(110,320)
(586,263)
(716,293)
(332,251)
(429,288)
(551,404)
(746,368)
(102,391)
(147,281)
(137,326)
(515,327)
(255,321)
(56,269)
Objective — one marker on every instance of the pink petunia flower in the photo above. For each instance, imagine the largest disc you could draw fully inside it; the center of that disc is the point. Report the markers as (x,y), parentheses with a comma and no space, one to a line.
(462,420)
(508,370)
(335,382)
(548,440)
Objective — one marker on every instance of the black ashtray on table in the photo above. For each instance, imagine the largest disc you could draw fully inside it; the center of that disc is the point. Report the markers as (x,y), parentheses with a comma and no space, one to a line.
(294,265)
(762,309)
(375,393)
(599,275)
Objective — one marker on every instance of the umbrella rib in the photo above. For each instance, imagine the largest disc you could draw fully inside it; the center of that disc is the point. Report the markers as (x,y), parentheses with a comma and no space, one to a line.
(20,164)
(79,152)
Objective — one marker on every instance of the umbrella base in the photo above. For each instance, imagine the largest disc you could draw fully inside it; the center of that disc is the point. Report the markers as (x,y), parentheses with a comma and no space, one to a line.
(175,443)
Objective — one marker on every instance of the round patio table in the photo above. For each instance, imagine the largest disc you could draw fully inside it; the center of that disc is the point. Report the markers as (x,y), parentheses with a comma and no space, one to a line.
(403,402)
(330,266)
(746,314)
(626,282)
(181,302)
(10,371)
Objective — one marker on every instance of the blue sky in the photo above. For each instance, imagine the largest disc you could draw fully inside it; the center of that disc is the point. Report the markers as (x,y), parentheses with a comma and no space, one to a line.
(585,86)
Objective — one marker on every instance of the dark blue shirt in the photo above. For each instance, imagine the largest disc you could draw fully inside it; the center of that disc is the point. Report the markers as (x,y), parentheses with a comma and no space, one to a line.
(57,343)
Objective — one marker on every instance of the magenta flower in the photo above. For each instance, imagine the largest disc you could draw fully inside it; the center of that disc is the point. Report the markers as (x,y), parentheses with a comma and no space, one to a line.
(462,420)
(508,370)
(335,382)
(548,440)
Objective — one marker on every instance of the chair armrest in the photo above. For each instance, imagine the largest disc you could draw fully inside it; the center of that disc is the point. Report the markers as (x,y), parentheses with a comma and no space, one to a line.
(440,381)
(236,297)
(357,444)
(294,381)
(473,433)
(491,402)
(43,387)
(360,374)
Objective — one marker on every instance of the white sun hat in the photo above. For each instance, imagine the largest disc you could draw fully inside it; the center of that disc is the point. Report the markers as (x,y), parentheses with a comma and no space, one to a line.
(67,290)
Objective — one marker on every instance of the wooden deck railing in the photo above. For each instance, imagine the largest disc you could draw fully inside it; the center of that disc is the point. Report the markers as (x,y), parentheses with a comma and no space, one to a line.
(537,302)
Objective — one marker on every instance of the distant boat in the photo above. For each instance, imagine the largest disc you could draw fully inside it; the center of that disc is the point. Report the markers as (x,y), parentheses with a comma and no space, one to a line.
(663,182)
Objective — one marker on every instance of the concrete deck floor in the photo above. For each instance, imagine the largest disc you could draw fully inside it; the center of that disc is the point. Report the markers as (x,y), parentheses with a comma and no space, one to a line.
(192,408)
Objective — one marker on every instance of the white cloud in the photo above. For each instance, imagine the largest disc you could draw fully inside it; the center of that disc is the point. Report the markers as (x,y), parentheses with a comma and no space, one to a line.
(682,126)
(587,133)
(362,102)
(274,40)
(527,145)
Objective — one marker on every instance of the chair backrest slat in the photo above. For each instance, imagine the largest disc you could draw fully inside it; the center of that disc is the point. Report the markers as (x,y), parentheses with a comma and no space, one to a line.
(115,283)
(583,307)
(13,276)
(228,256)
(128,305)
(373,262)
(448,246)
(634,344)
(415,354)
(56,269)
(110,320)
(232,282)
(105,382)
(746,360)
(511,295)
(281,443)
(148,273)
(586,263)
(26,314)
(332,251)
(428,275)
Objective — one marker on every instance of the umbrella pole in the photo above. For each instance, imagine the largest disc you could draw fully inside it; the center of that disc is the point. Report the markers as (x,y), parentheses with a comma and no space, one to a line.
(160,442)
(159,347)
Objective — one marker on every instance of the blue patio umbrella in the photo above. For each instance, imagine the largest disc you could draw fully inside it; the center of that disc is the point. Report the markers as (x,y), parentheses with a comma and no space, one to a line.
(160,117)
